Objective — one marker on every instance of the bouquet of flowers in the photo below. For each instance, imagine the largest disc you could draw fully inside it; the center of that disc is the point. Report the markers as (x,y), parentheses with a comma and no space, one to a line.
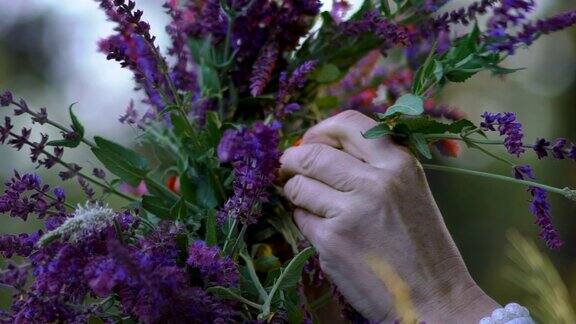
(201,232)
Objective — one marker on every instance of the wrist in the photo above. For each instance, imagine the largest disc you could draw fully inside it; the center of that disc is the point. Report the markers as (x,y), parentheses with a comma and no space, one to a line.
(467,303)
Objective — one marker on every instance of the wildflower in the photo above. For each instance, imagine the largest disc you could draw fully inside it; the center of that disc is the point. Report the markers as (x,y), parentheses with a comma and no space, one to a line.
(5,99)
(288,85)
(339,10)
(507,126)
(541,147)
(215,269)
(558,148)
(255,157)
(540,208)
(263,68)
(18,244)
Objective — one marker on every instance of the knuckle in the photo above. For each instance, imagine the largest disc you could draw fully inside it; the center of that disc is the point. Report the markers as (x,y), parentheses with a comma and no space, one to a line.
(293,188)
(310,156)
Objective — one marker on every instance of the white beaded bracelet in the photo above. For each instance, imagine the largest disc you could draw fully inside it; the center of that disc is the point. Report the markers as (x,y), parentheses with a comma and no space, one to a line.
(511,314)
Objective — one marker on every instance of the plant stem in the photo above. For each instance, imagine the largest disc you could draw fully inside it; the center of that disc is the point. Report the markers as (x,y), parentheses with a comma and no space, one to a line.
(229,236)
(54,198)
(494,176)
(252,272)
(52,123)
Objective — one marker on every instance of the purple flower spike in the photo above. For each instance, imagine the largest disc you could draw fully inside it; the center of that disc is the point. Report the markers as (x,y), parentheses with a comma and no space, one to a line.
(558,148)
(540,208)
(523,172)
(5,99)
(255,156)
(541,147)
(263,68)
(507,125)
(214,268)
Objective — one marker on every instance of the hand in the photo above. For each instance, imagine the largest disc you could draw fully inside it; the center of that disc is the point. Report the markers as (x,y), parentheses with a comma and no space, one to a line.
(357,198)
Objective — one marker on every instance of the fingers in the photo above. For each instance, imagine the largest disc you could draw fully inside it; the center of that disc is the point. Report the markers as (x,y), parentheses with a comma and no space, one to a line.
(333,167)
(312,195)
(345,131)
(309,224)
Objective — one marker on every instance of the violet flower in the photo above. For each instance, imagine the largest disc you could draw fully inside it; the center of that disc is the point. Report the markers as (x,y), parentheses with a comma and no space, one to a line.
(263,68)
(508,127)
(255,157)
(540,208)
(214,268)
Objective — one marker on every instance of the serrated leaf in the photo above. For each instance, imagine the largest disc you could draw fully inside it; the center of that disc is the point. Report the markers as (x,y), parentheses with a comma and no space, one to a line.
(377,131)
(408,104)
(421,145)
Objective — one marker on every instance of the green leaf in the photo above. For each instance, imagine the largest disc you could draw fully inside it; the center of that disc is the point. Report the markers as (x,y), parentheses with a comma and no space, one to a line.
(327,73)
(377,131)
(231,293)
(289,277)
(408,104)
(211,228)
(327,102)
(76,127)
(426,125)
(123,162)
(179,211)
(421,145)
(156,206)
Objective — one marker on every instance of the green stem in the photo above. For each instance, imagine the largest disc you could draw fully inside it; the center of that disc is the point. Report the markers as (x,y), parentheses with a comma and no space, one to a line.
(53,123)
(54,198)
(240,237)
(229,236)
(494,176)
(80,174)
(497,157)
(252,272)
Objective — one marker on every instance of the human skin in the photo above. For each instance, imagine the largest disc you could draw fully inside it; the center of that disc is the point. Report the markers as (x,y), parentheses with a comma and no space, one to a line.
(357,198)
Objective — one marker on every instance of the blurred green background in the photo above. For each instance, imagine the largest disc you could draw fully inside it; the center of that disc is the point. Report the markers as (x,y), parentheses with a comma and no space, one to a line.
(48,55)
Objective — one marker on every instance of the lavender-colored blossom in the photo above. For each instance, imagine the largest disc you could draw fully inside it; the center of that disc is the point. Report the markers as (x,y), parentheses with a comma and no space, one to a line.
(508,127)
(25,195)
(540,208)
(14,275)
(99,173)
(255,158)
(181,25)
(18,244)
(133,46)
(541,147)
(523,172)
(530,31)
(289,85)
(5,99)
(263,68)
(214,268)
(390,33)
(339,10)
(558,148)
